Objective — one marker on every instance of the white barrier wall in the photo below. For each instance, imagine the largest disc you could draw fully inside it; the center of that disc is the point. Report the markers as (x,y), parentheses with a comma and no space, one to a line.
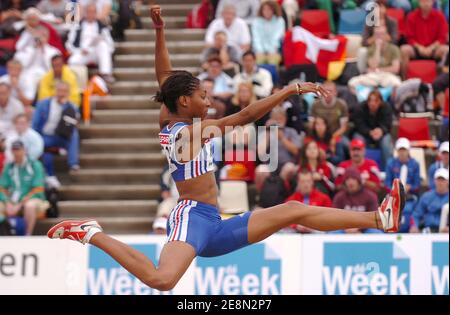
(283,264)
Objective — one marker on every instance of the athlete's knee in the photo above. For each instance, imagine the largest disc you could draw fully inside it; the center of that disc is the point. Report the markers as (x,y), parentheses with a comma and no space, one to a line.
(296,209)
(294,204)
(161,281)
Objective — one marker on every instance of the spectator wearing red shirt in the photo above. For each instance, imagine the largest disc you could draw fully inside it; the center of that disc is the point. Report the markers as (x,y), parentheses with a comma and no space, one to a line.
(367,168)
(426,34)
(307,194)
(355,197)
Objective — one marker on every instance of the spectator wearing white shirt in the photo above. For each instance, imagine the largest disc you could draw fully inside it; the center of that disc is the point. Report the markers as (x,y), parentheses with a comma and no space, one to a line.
(34,144)
(21,89)
(103,12)
(236,29)
(260,78)
(246,9)
(33,22)
(37,58)
(9,108)
(90,42)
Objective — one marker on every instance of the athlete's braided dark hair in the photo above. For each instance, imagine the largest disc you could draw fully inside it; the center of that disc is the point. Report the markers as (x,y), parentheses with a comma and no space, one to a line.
(179,83)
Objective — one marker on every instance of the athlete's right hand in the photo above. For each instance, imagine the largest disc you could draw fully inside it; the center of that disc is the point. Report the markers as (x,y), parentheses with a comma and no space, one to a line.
(155,14)
(308,87)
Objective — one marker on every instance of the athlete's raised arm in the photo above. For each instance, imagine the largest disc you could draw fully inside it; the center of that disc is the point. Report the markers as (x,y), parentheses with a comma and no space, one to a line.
(258,109)
(163,66)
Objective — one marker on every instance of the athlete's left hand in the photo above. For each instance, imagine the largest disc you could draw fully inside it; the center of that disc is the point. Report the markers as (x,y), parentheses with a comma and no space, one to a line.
(155,14)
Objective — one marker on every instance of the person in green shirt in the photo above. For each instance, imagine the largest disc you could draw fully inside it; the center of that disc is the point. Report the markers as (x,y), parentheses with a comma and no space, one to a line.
(22,188)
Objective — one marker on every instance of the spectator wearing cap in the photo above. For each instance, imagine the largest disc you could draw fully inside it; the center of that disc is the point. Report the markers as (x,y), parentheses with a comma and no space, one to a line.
(407,170)
(307,194)
(373,122)
(90,41)
(56,119)
(404,167)
(59,72)
(21,89)
(22,188)
(33,142)
(223,83)
(427,213)
(368,169)
(9,108)
(260,78)
(236,29)
(441,162)
(356,197)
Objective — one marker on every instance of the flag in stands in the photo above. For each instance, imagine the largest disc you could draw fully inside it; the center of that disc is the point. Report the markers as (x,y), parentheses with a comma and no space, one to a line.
(96,86)
(302,47)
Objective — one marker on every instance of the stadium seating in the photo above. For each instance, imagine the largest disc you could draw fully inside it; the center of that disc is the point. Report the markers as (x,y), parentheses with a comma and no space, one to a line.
(352,21)
(316,21)
(415,129)
(422,69)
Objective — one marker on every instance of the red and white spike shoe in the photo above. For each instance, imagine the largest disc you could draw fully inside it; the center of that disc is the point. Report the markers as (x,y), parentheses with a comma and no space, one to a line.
(391,208)
(75,230)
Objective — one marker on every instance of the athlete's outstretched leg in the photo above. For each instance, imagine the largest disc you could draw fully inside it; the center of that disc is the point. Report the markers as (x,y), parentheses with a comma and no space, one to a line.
(263,223)
(174,260)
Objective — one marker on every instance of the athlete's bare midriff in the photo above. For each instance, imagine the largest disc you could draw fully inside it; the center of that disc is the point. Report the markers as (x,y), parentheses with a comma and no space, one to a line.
(202,189)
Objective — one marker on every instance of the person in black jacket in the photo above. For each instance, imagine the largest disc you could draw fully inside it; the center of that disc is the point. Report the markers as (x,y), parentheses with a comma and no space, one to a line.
(373,122)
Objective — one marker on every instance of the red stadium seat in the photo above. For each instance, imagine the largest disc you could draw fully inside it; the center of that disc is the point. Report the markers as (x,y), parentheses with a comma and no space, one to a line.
(399,16)
(317,22)
(422,69)
(414,129)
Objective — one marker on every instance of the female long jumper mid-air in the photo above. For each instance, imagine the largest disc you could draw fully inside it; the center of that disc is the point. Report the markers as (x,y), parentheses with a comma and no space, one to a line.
(194,226)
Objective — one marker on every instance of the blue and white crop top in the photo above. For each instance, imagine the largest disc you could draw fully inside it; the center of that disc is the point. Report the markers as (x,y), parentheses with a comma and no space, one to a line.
(201,164)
